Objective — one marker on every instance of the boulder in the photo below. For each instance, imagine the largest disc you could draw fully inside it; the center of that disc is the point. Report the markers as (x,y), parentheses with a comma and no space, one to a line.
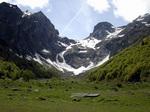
(83,95)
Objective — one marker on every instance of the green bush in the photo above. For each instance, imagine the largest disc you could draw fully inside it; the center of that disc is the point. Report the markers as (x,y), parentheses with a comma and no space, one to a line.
(27,75)
(10,70)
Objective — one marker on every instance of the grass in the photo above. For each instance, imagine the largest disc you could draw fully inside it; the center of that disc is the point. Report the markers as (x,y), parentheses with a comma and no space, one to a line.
(54,96)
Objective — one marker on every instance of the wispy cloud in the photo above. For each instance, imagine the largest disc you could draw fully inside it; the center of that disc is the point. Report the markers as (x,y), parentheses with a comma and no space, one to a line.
(130,9)
(30,3)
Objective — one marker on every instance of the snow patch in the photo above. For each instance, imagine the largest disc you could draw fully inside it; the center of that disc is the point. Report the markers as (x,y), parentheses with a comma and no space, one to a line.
(144,22)
(60,43)
(45,51)
(37,58)
(148,25)
(64,66)
(89,43)
(120,35)
(26,13)
(98,48)
(112,27)
(28,57)
(103,61)
(82,51)
(141,18)
(10,50)
(114,34)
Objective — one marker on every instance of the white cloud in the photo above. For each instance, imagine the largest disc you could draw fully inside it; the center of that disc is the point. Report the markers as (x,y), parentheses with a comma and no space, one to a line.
(31,3)
(131,9)
(99,5)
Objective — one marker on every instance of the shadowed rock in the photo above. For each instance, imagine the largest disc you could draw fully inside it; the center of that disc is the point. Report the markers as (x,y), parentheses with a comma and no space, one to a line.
(15,89)
(83,95)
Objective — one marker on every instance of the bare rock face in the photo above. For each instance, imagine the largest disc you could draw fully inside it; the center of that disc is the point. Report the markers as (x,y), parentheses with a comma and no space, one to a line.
(28,34)
(109,40)
(101,30)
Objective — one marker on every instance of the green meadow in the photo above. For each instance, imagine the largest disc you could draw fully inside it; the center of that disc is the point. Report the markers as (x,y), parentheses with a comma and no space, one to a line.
(54,95)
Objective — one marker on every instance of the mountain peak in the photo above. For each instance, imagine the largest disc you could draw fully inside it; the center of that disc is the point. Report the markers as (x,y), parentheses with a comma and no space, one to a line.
(8,6)
(145,17)
(101,30)
(103,25)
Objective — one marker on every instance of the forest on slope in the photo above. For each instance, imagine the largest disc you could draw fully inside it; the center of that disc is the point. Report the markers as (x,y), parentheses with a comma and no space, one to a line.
(132,64)
(14,67)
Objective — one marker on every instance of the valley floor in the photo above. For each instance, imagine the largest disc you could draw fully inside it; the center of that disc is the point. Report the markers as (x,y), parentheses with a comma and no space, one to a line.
(54,96)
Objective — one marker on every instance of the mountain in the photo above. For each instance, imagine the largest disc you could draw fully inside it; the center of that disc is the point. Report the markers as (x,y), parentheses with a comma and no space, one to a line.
(14,67)
(30,36)
(33,37)
(103,43)
(132,64)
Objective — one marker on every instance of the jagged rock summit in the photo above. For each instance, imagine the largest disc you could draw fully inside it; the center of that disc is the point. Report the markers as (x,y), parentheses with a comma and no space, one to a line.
(29,35)
(34,37)
(102,29)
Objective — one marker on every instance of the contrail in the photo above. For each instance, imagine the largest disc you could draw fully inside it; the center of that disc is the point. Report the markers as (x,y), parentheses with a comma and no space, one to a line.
(72,20)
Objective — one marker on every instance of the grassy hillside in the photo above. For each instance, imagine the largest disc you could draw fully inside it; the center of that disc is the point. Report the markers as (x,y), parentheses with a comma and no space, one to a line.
(132,64)
(11,66)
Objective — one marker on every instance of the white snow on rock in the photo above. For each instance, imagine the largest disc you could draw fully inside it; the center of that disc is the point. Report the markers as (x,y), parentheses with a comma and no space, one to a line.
(121,35)
(37,58)
(83,51)
(64,66)
(26,13)
(89,43)
(114,34)
(148,25)
(10,5)
(103,61)
(144,22)
(141,18)
(28,57)
(45,51)
(60,43)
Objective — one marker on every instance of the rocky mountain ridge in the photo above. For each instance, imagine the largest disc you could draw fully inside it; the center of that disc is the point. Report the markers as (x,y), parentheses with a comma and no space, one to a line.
(34,37)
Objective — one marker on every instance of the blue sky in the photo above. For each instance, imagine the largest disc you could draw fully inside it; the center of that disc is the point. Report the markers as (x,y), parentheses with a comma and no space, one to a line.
(77,18)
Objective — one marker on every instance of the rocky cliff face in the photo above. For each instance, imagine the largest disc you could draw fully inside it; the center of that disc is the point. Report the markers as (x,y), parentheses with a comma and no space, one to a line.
(104,42)
(132,34)
(101,30)
(34,37)
(29,34)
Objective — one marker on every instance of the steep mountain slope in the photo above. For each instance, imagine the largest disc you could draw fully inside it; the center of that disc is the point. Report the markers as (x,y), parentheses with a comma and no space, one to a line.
(132,64)
(14,67)
(29,34)
(34,37)
(104,42)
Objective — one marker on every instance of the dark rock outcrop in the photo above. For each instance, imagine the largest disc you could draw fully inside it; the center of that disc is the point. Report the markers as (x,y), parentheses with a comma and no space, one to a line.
(101,30)
(29,34)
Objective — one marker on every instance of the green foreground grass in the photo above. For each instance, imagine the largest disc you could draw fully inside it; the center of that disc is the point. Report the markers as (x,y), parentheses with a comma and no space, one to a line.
(54,96)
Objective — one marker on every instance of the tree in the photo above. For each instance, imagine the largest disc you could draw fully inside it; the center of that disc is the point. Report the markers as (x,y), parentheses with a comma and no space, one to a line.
(27,75)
